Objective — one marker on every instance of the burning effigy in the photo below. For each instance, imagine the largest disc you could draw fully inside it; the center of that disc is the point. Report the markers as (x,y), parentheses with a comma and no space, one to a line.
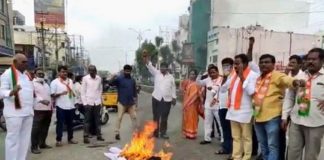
(141,147)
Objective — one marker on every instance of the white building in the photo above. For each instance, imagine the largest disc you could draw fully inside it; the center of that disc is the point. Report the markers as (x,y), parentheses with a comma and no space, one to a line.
(227,42)
(28,36)
(279,15)
(181,36)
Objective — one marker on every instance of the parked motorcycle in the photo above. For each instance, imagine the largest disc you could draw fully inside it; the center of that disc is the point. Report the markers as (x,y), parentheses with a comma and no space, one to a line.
(78,120)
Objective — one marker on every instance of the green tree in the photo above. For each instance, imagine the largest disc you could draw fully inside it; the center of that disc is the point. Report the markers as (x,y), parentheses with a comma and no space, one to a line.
(166,54)
(158,41)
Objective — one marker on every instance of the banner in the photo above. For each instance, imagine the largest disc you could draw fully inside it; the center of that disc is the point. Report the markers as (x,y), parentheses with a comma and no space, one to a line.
(187,53)
(50,12)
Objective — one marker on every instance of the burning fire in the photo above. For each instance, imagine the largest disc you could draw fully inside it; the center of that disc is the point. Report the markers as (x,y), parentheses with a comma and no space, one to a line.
(142,145)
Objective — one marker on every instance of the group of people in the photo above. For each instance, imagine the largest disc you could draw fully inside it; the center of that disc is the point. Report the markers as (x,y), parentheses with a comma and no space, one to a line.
(248,100)
(29,102)
(250,105)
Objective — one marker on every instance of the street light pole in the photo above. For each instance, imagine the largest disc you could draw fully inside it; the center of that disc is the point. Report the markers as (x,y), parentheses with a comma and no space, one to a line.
(140,35)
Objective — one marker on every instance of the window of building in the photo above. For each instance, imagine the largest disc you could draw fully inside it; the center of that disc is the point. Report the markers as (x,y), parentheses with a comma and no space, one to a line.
(2,6)
(216,41)
(2,32)
(215,59)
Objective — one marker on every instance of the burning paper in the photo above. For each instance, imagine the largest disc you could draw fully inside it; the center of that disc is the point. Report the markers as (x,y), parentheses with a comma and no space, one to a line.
(141,147)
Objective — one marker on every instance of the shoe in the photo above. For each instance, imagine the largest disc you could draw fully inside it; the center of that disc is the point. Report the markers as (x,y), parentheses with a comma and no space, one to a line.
(230,158)
(205,142)
(100,139)
(164,136)
(59,144)
(259,157)
(45,146)
(190,138)
(73,142)
(117,137)
(36,151)
(86,141)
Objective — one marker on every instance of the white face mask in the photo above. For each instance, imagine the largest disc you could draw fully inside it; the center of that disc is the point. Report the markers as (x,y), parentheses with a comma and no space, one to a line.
(226,70)
(40,79)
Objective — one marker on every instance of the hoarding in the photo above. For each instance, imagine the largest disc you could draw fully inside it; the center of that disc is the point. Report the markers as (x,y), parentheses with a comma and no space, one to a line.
(187,53)
(50,12)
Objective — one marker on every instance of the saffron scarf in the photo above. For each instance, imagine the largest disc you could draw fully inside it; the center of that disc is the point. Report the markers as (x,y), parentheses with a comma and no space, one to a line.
(262,86)
(239,91)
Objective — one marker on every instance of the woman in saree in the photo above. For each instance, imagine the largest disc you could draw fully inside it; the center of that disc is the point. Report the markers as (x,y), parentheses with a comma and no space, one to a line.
(191,106)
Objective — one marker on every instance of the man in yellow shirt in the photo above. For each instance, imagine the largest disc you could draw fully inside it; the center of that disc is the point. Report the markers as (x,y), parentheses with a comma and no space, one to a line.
(268,100)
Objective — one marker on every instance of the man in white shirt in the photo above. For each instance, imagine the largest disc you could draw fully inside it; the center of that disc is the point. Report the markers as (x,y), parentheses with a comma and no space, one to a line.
(91,91)
(241,87)
(43,113)
(305,107)
(227,65)
(61,91)
(164,95)
(17,89)
(212,84)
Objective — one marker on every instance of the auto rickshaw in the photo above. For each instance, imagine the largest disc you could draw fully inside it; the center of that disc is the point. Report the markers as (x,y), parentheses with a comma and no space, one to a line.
(109,97)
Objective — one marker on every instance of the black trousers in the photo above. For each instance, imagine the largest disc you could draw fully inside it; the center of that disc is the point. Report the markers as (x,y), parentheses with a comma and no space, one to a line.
(161,110)
(282,145)
(41,124)
(255,143)
(64,116)
(227,133)
(92,120)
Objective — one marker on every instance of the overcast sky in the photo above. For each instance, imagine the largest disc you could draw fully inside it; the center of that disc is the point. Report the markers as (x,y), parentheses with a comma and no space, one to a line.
(104,25)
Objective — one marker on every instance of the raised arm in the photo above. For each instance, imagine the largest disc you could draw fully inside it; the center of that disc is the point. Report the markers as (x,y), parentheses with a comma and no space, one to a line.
(201,82)
(250,49)
(152,69)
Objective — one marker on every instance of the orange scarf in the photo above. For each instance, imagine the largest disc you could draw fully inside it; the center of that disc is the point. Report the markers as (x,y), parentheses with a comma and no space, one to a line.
(262,86)
(239,90)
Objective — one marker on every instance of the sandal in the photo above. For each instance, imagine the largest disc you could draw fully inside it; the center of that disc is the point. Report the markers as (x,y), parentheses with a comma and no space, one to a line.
(221,152)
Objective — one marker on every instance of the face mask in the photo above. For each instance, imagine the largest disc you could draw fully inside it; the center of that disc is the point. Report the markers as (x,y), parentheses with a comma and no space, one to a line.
(226,70)
(40,79)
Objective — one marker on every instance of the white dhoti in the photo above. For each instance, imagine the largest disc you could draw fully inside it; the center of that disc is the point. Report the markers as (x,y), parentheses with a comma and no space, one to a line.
(210,114)
(18,137)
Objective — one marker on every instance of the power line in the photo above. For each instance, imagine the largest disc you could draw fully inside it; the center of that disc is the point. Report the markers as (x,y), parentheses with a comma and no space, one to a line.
(300,12)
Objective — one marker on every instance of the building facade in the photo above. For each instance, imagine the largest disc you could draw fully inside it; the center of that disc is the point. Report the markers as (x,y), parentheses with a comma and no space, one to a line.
(199,25)
(227,42)
(18,18)
(279,15)
(6,28)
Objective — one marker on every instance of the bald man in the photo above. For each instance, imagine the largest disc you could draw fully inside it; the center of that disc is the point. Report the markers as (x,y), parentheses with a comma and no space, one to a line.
(17,89)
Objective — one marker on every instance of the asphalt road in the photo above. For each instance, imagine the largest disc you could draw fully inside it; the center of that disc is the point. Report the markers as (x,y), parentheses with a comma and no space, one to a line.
(183,149)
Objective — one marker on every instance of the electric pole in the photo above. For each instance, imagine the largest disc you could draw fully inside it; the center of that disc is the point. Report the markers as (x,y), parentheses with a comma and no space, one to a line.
(43,45)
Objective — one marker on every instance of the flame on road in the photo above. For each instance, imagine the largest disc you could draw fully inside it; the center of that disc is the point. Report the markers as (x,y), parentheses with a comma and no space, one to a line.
(142,145)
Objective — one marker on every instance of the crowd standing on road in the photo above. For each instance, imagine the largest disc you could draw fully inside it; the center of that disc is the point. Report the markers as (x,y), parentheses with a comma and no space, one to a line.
(248,105)
(250,98)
